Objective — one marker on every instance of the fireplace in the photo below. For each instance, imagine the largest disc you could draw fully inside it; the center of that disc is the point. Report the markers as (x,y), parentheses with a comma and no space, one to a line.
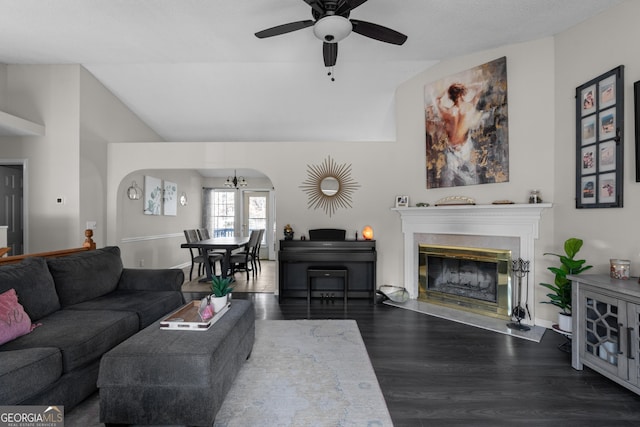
(467,278)
(504,227)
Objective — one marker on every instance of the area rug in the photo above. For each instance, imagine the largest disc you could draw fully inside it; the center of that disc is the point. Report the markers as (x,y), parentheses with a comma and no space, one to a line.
(306,373)
(300,373)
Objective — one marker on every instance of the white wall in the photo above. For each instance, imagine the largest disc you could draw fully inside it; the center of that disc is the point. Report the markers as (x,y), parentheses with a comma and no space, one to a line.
(530,83)
(542,77)
(69,161)
(583,53)
(530,80)
(103,118)
(48,94)
(383,169)
(154,240)
(286,166)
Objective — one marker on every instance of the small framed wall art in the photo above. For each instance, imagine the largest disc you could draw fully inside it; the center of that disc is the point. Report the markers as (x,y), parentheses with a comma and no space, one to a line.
(402,201)
(152,196)
(599,141)
(170,199)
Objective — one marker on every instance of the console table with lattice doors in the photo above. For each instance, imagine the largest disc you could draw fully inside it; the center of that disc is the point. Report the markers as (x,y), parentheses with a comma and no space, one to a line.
(606,327)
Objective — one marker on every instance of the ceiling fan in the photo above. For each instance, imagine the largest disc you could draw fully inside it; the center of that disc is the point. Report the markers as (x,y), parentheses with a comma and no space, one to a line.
(331,24)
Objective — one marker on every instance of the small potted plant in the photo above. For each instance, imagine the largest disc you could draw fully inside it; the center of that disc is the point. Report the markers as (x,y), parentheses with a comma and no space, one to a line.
(221,289)
(561,288)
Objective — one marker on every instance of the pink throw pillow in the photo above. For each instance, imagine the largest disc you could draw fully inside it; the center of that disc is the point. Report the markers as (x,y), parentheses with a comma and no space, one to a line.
(14,322)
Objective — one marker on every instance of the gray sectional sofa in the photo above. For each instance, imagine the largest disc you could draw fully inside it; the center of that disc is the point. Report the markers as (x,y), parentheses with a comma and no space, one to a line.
(85,304)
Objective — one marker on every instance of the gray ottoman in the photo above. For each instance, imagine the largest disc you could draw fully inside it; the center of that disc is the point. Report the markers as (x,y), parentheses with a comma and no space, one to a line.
(175,377)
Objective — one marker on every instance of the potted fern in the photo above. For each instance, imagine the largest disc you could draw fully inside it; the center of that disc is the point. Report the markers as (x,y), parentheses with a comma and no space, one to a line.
(561,288)
(221,289)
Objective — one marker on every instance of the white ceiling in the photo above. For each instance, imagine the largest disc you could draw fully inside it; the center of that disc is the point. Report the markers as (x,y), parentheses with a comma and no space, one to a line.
(194,71)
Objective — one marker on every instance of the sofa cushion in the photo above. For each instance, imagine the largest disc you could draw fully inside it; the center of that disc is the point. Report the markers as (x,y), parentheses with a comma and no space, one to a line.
(33,284)
(14,322)
(86,275)
(81,336)
(148,305)
(24,373)
(147,279)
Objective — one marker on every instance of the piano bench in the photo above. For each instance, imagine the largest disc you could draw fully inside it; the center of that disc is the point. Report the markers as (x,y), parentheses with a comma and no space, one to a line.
(327,272)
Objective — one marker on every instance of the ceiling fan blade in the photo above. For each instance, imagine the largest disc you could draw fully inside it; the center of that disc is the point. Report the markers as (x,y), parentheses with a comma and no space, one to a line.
(330,54)
(348,6)
(284,28)
(316,5)
(378,32)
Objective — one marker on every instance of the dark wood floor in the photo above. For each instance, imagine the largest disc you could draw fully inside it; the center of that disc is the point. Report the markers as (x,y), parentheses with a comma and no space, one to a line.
(435,372)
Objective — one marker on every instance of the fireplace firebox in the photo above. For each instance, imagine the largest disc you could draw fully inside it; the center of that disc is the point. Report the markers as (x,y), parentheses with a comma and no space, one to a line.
(471,279)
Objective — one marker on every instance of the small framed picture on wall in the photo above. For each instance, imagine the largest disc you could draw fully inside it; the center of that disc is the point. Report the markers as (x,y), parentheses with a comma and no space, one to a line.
(402,201)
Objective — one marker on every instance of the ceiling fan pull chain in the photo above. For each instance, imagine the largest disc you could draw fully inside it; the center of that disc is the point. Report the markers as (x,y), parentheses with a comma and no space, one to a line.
(331,73)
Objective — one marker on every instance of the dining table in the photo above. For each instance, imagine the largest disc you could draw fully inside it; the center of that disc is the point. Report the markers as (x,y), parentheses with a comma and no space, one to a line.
(217,243)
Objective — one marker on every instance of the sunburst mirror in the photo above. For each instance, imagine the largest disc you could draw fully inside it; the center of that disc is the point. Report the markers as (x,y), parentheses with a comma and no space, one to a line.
(329,186)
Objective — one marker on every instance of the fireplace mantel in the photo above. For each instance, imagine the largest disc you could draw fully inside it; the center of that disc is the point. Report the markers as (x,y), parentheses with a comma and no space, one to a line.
(512,220)
(519,214)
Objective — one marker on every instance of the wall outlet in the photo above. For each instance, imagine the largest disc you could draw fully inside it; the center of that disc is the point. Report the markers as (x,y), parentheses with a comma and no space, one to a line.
(59,200)
(141,263)
(92,225)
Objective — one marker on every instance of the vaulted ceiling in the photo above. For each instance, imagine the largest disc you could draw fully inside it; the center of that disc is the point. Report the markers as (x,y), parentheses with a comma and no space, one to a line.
(194,71)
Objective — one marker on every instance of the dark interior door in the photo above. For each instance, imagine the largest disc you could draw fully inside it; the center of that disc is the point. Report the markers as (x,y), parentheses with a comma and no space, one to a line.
(11,196)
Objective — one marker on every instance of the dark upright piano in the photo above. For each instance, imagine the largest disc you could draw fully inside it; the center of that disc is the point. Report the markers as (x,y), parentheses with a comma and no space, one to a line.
(358,257)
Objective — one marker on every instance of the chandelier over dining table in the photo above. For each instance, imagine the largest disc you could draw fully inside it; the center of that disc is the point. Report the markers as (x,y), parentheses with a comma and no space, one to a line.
(236,181)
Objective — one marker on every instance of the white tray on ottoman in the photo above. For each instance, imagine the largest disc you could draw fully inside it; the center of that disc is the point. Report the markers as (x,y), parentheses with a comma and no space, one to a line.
(187,318)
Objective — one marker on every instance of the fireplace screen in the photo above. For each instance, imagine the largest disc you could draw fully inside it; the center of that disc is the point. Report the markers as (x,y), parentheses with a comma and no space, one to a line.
(472,279)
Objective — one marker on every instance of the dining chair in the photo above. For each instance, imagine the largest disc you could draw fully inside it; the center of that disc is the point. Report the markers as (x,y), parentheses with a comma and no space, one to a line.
(256,251)
(192,236)
(245,260)
(203,234)
(197,256)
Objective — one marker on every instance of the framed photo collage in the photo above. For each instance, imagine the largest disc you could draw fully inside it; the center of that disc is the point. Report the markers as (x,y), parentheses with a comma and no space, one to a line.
(599,141)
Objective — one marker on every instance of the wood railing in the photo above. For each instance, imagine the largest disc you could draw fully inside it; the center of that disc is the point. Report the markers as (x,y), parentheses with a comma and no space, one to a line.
(88,245)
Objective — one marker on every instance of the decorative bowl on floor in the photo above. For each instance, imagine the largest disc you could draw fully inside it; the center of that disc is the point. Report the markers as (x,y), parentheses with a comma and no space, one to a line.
(394,293)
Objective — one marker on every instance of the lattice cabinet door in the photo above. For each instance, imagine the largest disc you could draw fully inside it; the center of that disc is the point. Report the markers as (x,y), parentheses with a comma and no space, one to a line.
(602,329)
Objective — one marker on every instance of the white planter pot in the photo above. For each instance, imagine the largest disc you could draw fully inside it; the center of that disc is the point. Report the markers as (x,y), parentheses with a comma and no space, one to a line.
(565,322)
(218,302)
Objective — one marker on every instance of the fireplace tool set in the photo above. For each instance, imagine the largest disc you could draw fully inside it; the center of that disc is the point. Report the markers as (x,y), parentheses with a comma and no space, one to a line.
(520,269)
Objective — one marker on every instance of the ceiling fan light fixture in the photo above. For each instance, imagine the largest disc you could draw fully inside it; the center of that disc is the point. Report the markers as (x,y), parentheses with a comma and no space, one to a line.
(332,29)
